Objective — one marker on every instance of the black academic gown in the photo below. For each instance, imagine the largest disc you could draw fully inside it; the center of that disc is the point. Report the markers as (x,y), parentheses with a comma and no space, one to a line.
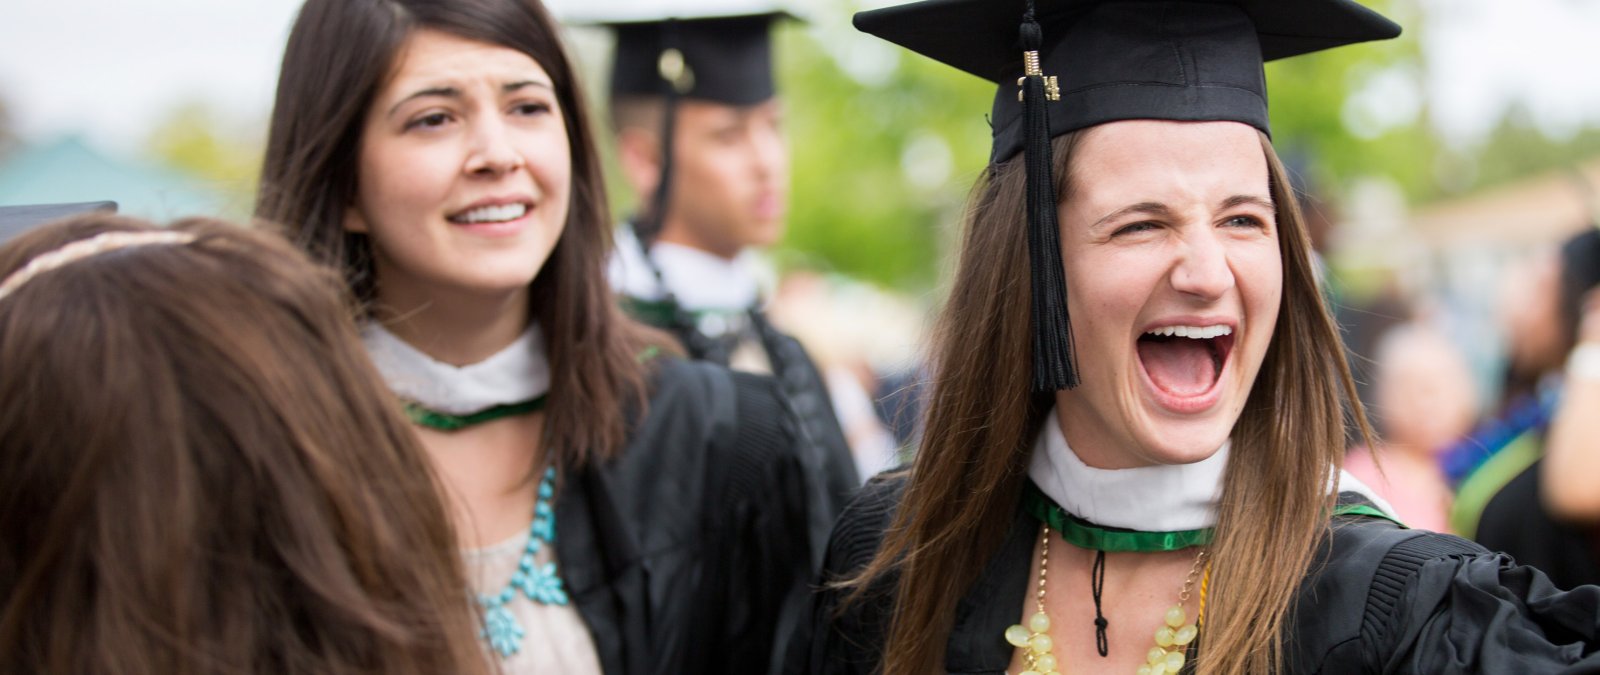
(1516,522)
(1380,599)
(831,465)
(682,553)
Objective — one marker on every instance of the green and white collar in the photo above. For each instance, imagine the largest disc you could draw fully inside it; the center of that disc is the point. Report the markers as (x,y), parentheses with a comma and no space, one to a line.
(1171,498)
(513,376)
(699,280)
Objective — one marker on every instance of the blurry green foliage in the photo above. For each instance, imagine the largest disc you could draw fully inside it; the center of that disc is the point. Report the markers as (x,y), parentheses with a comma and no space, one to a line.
(852,208)
(194,139)
(1517,149)
(857,209)
(1310,100)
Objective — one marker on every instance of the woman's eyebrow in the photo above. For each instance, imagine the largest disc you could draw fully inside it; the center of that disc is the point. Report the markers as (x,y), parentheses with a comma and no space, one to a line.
(511,87)
(1242,200)
(442,91)
(447,91)
(1151,208)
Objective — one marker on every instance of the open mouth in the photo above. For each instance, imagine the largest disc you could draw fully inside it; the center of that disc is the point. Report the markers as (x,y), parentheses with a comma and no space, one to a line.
(1185,361)
(499,213)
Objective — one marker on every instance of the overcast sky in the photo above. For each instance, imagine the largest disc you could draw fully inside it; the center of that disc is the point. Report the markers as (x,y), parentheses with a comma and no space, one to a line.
(110,68)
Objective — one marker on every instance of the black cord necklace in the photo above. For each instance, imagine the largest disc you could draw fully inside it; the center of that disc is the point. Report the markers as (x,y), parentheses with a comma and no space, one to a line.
(1097,584)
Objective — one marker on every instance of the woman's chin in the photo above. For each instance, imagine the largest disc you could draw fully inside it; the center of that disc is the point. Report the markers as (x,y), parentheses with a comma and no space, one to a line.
(1186,441)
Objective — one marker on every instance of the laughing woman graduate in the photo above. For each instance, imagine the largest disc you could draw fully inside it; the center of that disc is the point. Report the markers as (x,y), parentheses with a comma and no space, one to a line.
(622,511)
(1133,446)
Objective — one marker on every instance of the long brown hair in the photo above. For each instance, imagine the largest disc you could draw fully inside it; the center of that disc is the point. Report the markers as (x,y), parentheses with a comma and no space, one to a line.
(964,485)
(339,54)
(200,472)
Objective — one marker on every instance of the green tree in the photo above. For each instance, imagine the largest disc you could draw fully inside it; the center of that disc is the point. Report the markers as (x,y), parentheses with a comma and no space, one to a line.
(881,162)
(1314,99)
(195,140)
(1517,148)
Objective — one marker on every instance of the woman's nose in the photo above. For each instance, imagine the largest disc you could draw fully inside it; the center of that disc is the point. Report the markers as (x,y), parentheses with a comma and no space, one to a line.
(1203,270)
(492,152)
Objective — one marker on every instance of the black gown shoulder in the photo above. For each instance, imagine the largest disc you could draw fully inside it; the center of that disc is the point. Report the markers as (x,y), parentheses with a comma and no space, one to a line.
(845,637)
(1380,599)
(831,467)
(686,553)
(1392,600)
(1515,521)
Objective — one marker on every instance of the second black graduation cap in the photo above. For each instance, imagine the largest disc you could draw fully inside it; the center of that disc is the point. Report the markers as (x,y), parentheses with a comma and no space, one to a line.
(722,59)
(1066,65)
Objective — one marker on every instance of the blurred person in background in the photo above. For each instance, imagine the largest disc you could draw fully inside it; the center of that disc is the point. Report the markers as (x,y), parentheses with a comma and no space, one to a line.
(1571,468)
(1554,531)
(699,134)
(1508,440)
(200,471)
(853,330)
(1424,400)
(621,509)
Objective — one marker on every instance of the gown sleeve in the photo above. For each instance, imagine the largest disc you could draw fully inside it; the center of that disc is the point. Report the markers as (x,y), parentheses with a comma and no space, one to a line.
(844,635)
(762,571)
(1470,611)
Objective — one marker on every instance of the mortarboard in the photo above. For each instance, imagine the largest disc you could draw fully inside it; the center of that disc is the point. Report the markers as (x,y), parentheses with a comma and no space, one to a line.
(722,59)
(1067,65)
(15,220)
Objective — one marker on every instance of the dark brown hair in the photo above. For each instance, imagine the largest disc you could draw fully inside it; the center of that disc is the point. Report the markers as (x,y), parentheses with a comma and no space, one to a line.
(200,472)
(339,56)
(982,419)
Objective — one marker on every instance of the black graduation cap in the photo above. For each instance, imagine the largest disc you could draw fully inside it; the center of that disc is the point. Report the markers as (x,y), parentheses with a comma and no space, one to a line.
(15,220)
(723,59)
(1065,65)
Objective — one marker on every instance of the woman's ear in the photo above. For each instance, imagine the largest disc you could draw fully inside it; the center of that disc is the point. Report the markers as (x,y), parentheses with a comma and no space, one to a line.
(354,221)
(639,153)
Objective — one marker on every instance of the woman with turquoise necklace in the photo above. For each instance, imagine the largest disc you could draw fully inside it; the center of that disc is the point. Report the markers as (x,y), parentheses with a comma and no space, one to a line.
(621,510)
(1131,453)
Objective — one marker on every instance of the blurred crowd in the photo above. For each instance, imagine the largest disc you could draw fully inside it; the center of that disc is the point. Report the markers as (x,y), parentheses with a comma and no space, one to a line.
(1508,462)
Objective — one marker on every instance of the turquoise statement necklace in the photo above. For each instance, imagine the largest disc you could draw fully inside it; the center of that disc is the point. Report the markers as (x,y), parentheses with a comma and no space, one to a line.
(538,583)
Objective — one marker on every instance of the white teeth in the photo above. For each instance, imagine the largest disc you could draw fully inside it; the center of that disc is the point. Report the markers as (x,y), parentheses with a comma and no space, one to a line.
(493,214)
(1192,332)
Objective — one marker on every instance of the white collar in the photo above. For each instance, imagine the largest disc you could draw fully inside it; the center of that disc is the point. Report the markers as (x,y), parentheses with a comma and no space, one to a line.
(518,373)
(1164,498)
(699,280)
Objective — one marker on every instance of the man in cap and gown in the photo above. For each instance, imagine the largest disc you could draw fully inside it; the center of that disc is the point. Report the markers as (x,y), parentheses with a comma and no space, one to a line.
(700,139)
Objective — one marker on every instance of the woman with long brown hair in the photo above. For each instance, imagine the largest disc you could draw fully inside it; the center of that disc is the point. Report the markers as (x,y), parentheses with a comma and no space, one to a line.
(622,510)
(1132,448)
(200,471)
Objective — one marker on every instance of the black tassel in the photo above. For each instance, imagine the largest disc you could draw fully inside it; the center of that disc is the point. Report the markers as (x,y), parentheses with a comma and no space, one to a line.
(1054,362)
(657,214)
(647,227)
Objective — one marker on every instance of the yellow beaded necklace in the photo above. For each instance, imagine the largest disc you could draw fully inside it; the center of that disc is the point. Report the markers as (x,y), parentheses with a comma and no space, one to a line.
(1172,639)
